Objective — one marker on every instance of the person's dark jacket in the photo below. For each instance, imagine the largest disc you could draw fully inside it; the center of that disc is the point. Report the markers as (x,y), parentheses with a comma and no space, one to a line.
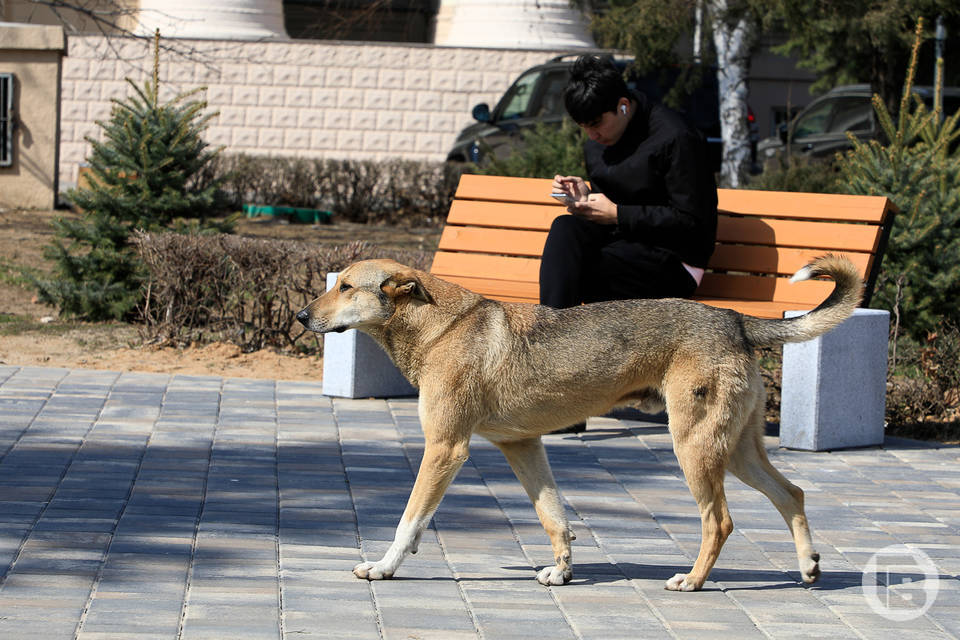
(659,175)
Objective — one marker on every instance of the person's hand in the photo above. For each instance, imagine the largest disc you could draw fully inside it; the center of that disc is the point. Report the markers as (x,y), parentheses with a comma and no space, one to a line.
(573,186)
(596,207)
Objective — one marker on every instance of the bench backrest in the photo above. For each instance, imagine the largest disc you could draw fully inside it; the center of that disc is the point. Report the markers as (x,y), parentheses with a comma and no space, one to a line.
(497,227)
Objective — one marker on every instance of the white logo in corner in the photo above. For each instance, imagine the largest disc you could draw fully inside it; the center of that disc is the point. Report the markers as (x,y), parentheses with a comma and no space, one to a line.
(900,583)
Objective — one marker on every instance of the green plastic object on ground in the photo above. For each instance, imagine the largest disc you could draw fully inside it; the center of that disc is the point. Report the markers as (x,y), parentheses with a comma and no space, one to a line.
(297,214)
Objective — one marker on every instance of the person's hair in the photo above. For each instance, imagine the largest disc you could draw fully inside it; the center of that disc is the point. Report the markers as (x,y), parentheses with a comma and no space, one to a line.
(595,87)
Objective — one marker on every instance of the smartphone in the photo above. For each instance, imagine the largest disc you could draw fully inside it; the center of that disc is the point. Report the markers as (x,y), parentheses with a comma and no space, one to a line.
(565,198)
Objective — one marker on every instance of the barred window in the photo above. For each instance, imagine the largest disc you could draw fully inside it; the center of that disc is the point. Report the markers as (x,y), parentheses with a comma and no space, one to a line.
(6,119)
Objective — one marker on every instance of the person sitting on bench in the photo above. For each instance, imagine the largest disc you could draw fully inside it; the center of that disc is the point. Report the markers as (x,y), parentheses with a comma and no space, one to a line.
(646,225)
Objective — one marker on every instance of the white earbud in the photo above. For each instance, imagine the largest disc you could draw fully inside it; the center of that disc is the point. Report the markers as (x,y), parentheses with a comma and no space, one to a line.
(623,109)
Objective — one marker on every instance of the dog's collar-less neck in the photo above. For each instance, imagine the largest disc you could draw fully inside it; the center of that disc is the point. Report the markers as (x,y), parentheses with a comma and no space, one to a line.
(395,327)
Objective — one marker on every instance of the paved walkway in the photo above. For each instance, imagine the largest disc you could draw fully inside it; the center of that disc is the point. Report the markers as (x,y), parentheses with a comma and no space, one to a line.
(152,506)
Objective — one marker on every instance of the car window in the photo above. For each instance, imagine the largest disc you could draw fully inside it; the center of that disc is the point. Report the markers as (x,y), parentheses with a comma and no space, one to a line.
(814,121)
(518,98)
(851,114)
(551,96)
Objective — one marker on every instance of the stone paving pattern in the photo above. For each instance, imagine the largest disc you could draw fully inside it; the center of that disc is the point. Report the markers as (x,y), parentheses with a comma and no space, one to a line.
(152,506)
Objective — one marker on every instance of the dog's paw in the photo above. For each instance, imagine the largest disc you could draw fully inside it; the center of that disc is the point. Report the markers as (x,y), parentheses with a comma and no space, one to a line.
(810,568)
(372,571)
(679,583)
(554,576)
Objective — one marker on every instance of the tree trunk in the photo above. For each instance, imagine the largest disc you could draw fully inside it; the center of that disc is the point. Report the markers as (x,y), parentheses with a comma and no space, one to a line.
(733,36)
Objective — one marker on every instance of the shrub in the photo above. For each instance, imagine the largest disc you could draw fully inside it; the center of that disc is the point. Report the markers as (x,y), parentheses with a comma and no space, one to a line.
(392,192)
(144,176)
(923,398)
(811,177)
(545,151)
(246,291)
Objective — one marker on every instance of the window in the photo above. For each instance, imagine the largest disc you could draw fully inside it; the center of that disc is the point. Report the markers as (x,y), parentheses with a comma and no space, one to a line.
(551,98)
(6,119)
(836,115)
(852,114)
(815,121)
(518,97)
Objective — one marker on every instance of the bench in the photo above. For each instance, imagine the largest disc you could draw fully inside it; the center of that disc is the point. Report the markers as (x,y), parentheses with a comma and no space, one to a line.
(497,227)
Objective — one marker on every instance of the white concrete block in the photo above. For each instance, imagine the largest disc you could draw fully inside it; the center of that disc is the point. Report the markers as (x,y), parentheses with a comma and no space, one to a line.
(354,366)
(834,386)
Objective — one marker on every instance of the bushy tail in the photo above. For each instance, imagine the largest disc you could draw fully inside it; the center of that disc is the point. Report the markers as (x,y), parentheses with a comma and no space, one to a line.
(846,295)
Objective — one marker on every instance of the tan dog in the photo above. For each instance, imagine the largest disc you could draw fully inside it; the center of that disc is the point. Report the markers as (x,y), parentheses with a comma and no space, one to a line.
(512,372)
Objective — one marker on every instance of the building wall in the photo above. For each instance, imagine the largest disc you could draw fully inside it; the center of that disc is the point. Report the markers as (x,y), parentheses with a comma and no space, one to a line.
(777,85)
(32,54)
(296,98)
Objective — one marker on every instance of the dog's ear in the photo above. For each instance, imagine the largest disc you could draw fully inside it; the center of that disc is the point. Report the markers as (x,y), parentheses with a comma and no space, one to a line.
(406,284)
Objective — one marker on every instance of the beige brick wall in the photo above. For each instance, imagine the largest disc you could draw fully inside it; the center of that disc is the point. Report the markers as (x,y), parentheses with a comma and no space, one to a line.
(300,98)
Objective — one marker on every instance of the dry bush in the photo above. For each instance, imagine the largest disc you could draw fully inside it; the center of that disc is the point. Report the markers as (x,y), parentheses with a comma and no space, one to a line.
(246,291)
(392,191)
(923,392)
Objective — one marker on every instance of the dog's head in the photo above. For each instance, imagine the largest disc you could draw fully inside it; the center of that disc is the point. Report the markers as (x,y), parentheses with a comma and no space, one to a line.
(366,295)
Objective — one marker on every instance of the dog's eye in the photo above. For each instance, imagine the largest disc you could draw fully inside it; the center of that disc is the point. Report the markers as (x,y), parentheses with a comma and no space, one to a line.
(344,287)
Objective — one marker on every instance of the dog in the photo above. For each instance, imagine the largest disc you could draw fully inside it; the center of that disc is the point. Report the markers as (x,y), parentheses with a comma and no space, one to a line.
(512,372)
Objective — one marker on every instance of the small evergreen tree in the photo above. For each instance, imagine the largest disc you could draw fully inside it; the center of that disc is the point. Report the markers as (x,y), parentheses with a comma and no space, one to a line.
(919,170)
(145,176)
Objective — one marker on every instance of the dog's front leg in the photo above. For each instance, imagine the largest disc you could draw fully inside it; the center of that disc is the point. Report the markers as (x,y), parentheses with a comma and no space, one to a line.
(528,459)
(440,464)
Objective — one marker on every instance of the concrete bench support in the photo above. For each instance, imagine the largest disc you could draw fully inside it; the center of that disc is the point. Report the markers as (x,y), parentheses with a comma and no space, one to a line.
(354,366)
(834,387)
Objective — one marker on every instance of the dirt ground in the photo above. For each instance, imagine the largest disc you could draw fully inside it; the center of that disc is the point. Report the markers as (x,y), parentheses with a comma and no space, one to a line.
(32,335)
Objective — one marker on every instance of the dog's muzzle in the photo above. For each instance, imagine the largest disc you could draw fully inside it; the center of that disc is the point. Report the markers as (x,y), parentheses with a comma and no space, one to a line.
(315,325)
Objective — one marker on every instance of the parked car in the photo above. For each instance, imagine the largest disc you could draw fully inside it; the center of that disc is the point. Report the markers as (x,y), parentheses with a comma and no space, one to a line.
(537,96)
(820,129)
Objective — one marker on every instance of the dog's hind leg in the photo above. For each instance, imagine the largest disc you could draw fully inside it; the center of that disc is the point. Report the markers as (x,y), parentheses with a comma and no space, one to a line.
(441,462)
(749,462)
(704,474)
(528,459)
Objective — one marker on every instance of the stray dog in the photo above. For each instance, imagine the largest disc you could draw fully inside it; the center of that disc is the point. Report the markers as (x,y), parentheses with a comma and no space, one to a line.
(512,372)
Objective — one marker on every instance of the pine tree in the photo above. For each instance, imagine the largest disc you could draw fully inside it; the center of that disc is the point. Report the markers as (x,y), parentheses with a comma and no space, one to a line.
(145,176)
(919,170)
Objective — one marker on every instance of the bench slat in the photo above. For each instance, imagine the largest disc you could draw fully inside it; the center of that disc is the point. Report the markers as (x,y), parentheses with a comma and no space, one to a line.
(746,287)
(798,233)
(503,215)
(785,262)
(824,206)
(499,289)
(498,188)
(757,308)
(501,241)
(486,266)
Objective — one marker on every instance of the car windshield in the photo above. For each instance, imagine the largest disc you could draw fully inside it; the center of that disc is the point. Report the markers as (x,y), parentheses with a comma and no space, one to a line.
(517,100)
(835,116)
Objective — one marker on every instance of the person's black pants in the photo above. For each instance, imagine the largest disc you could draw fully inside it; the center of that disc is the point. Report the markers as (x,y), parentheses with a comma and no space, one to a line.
(588,262)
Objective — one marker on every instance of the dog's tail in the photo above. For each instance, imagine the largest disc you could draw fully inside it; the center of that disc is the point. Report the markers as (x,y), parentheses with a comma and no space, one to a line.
(845,297)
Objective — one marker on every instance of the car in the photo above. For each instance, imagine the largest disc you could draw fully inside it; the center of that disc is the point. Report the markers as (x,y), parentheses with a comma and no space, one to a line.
(536,96)
(820,129)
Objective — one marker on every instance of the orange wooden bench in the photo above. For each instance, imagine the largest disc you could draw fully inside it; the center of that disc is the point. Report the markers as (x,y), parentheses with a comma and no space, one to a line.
(497,226)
